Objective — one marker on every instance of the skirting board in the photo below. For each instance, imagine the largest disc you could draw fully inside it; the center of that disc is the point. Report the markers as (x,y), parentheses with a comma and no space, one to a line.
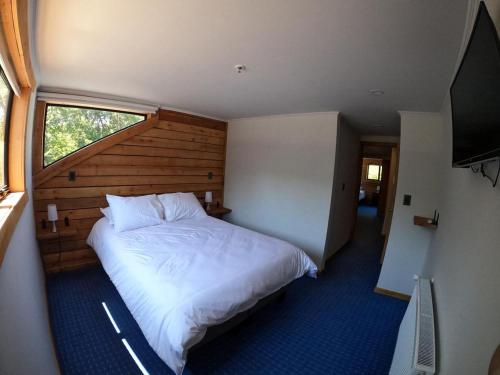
(390,293)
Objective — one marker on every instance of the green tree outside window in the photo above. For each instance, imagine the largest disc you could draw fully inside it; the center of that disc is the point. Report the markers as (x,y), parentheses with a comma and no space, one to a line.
(68,129)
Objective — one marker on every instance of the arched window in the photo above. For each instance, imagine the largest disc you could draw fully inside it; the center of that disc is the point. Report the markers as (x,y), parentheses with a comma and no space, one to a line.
(5,107)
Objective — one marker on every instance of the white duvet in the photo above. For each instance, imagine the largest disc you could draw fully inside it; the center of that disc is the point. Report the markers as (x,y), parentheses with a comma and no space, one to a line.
(179,278)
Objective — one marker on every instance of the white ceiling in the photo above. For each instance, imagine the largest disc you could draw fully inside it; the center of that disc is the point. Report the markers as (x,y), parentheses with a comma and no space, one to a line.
(301,55)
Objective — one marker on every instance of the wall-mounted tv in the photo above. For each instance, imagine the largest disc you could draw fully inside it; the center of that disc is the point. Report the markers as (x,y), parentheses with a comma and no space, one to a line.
(475,96)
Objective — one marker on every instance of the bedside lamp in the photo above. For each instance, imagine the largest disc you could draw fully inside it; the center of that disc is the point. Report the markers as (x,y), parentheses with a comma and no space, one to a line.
(52,215)
(208,199)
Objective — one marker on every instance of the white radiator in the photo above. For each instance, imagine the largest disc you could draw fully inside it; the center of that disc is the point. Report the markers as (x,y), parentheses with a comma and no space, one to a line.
(415,352)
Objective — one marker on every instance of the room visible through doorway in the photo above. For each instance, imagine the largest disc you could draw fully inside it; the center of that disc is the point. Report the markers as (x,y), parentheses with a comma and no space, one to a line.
(377,183)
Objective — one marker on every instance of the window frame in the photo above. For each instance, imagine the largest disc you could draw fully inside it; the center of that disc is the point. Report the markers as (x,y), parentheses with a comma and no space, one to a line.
(379,172)
(17,66)
(4,189)
(49,104)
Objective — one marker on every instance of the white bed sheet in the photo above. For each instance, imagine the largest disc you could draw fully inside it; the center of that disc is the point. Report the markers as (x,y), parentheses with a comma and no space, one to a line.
(179,278)
(362,194)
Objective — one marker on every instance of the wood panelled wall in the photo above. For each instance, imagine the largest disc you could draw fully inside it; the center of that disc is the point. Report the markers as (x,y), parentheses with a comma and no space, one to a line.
(169,152)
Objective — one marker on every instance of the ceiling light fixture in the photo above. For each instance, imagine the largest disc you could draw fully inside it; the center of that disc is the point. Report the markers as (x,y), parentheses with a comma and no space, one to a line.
(376,92)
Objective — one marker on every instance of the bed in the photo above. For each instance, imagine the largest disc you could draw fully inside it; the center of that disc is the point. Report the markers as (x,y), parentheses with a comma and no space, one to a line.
(362,194)
(180,278)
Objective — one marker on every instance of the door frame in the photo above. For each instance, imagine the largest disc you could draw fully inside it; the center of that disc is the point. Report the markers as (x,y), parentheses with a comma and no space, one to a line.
(359,173)
(391,198)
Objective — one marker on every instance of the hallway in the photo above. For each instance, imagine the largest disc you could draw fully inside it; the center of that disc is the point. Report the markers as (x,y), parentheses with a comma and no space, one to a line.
(368,227)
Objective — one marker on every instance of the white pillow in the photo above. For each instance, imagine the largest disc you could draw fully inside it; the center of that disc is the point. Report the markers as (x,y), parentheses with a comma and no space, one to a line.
(181,206)
(135,212)
(107,212)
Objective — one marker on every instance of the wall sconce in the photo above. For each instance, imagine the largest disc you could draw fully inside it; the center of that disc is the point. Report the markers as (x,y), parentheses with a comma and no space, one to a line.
(208,199)
(52,215)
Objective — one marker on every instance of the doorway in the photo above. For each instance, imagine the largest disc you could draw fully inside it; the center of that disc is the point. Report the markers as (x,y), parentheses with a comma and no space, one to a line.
(378,163)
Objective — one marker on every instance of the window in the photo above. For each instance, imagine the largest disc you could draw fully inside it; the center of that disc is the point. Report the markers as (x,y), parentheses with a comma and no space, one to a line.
(5,105)
(69,128)
(374,172)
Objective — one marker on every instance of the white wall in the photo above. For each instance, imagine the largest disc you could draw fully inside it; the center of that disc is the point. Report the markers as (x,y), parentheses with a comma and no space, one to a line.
(279,175)
(418,175)
(464,259)
(344,191)
(26,342)
(463,255)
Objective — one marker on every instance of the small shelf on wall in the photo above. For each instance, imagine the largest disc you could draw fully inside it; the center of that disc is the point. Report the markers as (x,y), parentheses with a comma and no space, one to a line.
(426,222)
(218,212)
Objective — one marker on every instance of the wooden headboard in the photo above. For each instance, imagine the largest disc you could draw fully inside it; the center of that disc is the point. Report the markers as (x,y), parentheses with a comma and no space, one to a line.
(168,152)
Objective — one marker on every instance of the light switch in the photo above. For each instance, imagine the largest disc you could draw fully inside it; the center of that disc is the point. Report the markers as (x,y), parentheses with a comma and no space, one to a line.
(407,200)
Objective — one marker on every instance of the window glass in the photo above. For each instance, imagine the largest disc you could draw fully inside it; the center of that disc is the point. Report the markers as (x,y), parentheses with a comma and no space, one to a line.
(69,128)
(374,172)
(5,103)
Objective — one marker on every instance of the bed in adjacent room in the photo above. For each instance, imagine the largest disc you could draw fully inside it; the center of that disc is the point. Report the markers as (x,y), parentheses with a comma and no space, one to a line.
(362,194)
(181,277)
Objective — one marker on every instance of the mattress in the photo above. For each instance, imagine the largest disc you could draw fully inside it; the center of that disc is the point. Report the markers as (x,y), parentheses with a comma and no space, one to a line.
(362,194)
(177,279)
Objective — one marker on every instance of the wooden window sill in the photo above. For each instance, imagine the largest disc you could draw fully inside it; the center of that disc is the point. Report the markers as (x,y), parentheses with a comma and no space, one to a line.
(11,208)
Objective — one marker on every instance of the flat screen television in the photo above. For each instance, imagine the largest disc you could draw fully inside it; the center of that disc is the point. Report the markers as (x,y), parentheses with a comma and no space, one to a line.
(475,96)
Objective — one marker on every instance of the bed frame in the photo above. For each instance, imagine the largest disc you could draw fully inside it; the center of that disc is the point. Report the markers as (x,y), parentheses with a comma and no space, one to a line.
(218,330)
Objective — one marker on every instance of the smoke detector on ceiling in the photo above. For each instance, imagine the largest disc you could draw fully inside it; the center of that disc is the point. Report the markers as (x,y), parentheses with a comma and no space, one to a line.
(240,68)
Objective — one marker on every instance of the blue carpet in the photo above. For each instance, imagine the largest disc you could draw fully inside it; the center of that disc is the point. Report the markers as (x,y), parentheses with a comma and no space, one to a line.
(332,325)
